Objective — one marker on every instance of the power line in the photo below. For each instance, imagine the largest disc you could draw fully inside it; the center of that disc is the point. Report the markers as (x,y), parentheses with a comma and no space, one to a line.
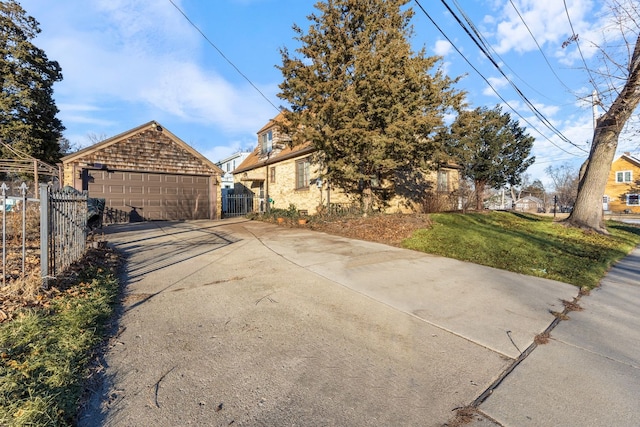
(487,81)
(574,37)
(488,46)
(538,44)
(223,55)
(531,106)
(491,86)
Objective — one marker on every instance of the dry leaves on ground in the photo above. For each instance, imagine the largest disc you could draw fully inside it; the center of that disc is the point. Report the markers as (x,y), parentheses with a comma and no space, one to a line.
(28,292)
(387,229)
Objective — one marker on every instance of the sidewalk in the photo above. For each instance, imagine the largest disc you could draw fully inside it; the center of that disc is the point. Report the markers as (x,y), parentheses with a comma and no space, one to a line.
(589,372)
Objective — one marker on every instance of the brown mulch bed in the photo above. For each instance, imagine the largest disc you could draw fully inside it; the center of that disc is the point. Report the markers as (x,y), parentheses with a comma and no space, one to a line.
(388,229)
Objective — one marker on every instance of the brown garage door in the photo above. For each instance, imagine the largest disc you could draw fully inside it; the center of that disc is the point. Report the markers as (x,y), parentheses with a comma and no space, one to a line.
(152,196)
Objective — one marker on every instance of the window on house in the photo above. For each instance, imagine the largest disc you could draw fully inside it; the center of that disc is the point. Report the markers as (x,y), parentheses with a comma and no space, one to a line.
(443,181)
(272,175)
(633,199)
(267,142)
(228,167)
(623,176)
(302,174)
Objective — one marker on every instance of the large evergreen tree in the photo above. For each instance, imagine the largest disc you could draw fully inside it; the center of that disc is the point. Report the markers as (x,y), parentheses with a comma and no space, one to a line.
(359,93)
(491,148)
(27,110)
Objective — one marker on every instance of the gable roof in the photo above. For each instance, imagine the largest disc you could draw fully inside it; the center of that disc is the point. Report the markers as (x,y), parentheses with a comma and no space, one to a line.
(253,161)
(272,122)
(123,136)
(629,158)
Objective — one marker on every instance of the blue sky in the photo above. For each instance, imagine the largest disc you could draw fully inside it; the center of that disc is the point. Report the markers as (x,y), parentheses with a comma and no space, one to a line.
(126,62)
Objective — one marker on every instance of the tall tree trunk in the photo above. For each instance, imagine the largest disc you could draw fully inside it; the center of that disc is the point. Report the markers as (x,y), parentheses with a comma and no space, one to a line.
(480,195)
(367,200)
(587,212)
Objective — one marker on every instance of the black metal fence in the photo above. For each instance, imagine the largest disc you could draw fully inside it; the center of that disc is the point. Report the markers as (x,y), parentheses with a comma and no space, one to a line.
(63,229)
(62,215)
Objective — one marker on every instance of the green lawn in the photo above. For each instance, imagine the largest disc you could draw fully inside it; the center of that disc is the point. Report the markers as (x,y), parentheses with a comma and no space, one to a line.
(528,244)
(45,351)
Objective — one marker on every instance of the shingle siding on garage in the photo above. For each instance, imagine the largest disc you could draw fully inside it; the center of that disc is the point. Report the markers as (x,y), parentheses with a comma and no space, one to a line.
(147,152)
(150,151)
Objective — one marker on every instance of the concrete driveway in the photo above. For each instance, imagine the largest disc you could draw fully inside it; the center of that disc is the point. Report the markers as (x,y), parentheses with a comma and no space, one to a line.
(245,323)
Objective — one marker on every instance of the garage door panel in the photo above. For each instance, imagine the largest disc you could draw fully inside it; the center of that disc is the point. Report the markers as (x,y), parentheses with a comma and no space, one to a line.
(96,188)
(159,196)
(116,189)
(116,203)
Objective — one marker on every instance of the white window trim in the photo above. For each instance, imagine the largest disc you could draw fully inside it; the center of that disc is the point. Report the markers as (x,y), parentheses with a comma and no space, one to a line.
(303,175)
(266,142)
(624,173)
(632,204)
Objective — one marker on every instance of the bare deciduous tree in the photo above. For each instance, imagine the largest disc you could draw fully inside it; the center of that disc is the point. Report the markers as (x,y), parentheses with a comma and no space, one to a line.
(565,183)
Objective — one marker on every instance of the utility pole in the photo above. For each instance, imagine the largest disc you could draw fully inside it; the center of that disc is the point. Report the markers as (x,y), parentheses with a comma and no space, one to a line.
(595,101)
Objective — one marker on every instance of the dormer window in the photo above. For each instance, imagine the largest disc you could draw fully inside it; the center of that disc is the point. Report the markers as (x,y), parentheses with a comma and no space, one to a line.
(267,142)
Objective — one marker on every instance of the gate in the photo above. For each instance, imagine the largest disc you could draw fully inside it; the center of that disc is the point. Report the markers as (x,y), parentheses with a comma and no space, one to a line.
(241,204)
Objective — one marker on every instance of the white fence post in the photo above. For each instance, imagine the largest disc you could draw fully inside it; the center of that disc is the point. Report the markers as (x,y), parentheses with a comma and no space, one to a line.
(44,234)
(4,233)
(23,190)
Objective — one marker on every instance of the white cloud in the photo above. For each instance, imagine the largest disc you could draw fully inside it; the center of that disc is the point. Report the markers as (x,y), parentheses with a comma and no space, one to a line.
(497,83)
(442,48)
(142,55)
(546,20)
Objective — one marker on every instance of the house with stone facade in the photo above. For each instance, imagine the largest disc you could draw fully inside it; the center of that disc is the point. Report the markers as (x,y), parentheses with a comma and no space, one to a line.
(148,173)
(622,192)
(282,175)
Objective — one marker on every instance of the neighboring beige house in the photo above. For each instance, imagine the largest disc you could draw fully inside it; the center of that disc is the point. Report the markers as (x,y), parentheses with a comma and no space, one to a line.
(289,176)
(622,192)
(529,204)
(149,173)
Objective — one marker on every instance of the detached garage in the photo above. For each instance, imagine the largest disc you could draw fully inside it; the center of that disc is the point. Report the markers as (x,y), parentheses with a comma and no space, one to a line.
(148,173)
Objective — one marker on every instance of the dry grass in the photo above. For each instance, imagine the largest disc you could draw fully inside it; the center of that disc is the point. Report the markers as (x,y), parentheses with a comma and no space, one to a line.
(463,417)
(48,344)
(571,306)
(542,338)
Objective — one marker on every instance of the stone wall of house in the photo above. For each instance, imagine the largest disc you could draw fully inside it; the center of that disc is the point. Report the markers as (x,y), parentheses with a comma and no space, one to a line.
(426,197)
(283,191)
